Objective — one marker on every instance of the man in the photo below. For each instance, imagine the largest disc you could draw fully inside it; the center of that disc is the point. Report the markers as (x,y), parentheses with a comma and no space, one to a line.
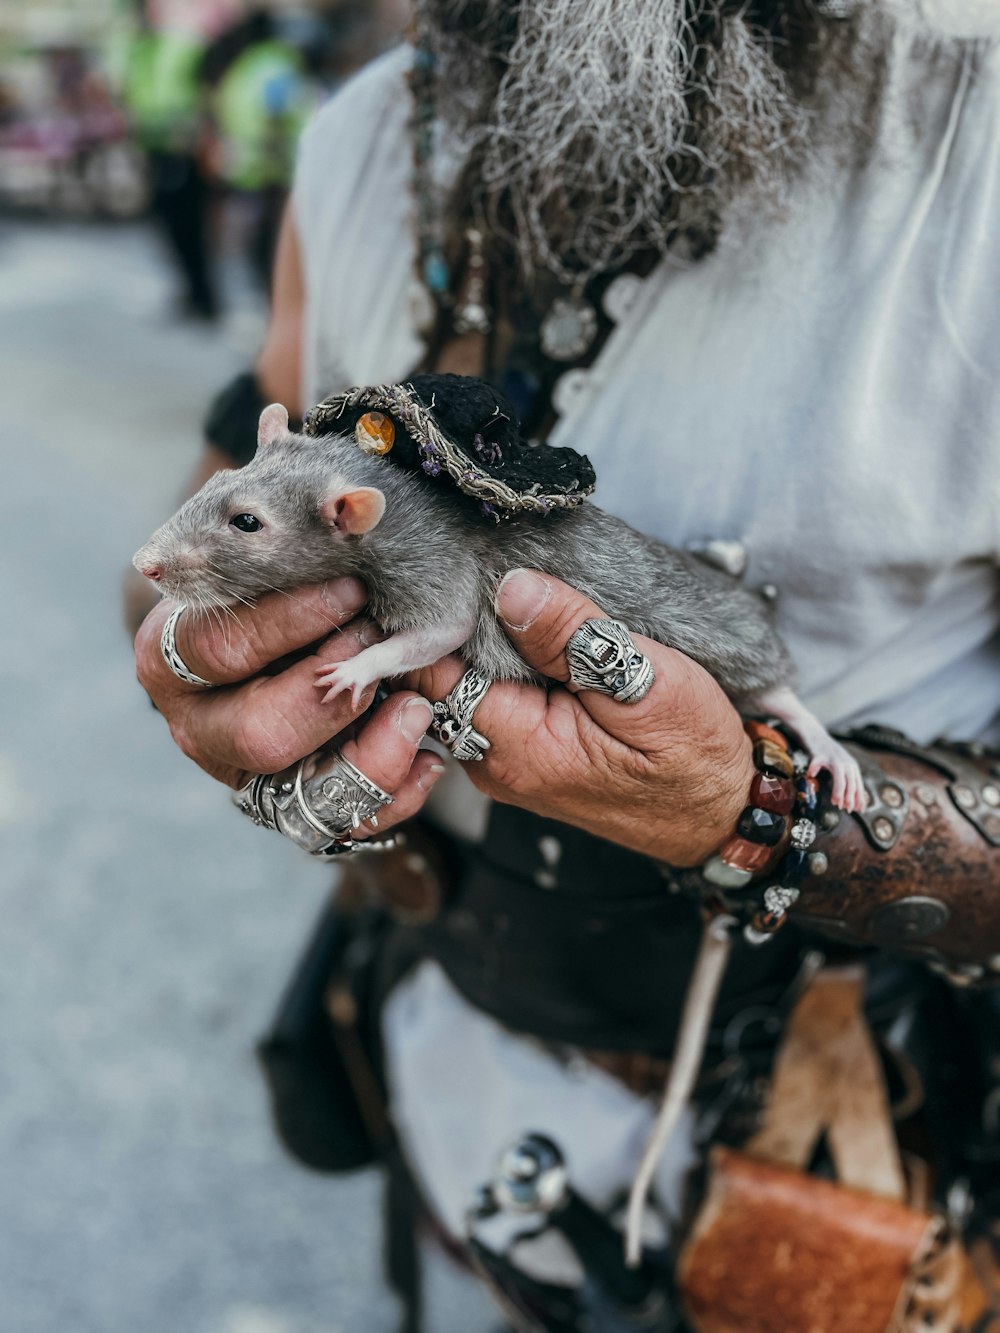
(161,90)
(740,254)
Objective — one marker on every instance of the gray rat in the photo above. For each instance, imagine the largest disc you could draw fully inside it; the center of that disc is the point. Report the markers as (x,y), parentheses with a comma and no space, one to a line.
(308,509)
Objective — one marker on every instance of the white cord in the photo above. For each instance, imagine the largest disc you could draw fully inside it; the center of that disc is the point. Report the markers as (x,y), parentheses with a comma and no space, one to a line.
(699,1003)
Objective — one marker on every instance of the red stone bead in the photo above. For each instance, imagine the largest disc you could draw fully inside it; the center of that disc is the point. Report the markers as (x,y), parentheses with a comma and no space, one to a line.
(774,794)
(745,855)
(760,731)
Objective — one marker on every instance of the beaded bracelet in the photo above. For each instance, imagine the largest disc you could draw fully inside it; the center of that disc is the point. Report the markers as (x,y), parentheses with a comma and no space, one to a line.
(781,792)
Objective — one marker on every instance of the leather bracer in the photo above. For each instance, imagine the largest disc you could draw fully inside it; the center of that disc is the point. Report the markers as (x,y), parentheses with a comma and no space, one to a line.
(918,872)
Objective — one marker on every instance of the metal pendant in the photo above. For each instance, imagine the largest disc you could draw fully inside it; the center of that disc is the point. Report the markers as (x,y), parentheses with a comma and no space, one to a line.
(472,314)
(472,317)
(728,555)
(620,295)
(568,329)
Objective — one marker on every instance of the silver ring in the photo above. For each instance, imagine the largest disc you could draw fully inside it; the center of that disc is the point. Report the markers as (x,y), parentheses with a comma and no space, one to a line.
(452,723)
(168,647)
(321,812)
(601,656)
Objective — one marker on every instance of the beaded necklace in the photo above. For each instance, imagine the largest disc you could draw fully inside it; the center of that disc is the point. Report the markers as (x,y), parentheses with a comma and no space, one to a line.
(433,273)
(559,329)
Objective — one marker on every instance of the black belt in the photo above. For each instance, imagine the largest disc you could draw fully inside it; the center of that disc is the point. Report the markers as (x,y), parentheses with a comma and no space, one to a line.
(574,939)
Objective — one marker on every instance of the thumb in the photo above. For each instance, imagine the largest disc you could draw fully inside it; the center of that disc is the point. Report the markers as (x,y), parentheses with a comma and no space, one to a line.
(540,614)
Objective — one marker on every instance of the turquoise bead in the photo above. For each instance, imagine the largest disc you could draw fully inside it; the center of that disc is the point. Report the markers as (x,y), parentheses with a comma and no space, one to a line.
(436,273)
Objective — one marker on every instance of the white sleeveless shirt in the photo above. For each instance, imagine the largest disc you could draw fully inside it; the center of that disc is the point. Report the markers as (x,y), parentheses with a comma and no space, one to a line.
(826,392)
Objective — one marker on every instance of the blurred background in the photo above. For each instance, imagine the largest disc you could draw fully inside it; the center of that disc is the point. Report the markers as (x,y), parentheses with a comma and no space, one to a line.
(146,929)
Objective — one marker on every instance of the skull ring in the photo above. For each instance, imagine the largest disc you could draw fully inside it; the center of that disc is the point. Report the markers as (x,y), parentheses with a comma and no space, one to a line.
(452,724)
(601,656)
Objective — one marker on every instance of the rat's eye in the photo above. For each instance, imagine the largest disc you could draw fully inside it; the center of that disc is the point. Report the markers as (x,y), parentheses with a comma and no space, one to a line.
(246,522)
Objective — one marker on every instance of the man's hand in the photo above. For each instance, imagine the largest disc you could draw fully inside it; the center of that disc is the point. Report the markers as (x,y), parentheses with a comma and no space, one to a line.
(261,723)
(667,776)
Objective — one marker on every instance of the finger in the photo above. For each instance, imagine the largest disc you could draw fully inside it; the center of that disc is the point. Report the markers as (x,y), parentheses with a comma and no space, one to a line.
(385,750)
(536,737)
(234,647)
(513,709)
(385,746)
(271,721)
(408,799)
(540,614)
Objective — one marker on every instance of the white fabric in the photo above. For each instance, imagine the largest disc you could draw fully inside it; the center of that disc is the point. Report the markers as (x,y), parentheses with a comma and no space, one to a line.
(826,393)
(957,18)
(463,1088)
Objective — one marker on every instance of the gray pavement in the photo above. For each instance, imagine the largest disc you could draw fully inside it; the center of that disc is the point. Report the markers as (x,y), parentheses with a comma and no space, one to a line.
(145,928)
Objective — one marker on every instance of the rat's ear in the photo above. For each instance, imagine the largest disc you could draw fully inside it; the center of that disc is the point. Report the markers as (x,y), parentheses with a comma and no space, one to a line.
(354,511)
(272,425)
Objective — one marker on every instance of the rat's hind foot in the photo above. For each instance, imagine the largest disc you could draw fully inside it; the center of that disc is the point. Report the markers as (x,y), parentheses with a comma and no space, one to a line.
(847,788)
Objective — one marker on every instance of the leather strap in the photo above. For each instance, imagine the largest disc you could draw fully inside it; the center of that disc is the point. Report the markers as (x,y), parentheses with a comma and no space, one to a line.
(827,1077)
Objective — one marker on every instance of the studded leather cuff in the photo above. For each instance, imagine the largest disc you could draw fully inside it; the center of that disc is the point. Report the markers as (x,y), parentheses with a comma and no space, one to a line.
(918,871)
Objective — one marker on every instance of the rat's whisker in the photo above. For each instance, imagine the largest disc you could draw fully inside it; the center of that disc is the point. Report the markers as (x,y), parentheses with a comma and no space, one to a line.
(216,614)
(227,589)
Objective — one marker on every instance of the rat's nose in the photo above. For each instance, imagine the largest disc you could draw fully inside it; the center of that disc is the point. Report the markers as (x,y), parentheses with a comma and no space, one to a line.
(148,565)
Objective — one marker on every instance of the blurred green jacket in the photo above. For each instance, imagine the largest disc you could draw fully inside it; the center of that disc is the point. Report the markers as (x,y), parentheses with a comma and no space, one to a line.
(161,89)
(260,107)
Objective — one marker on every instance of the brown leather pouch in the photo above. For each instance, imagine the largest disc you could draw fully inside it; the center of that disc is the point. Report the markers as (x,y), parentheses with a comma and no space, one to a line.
(776,1250)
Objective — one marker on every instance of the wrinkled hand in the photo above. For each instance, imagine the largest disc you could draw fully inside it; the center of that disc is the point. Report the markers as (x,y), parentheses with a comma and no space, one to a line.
(261,723)
(667,776)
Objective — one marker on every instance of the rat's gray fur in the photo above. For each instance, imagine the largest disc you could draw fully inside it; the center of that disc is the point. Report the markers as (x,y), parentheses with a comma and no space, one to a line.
(433,559)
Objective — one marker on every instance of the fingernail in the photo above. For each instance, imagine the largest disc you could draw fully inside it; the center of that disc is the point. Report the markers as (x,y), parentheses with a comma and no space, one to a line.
(344,596)
(429,776)
(521,598)
(415,718)
(368,633)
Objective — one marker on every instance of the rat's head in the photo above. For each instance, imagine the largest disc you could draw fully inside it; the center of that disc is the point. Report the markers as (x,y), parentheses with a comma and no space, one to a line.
(292,516)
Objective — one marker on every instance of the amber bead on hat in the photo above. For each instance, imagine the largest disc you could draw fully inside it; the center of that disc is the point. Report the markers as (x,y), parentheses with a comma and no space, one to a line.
(375,433)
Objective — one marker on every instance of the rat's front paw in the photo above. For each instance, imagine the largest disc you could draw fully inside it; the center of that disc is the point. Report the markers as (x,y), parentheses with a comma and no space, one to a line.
(847,788)
(351,675)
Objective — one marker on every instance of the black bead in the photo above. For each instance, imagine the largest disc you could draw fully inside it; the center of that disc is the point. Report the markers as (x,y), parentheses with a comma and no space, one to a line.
(761,826)
(794,868)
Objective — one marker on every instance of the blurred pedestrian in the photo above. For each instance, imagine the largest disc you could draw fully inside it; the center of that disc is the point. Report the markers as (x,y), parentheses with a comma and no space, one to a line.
(162,94)
(257,95)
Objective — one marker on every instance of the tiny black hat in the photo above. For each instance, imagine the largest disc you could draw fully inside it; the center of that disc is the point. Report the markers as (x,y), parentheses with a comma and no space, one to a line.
(462,430)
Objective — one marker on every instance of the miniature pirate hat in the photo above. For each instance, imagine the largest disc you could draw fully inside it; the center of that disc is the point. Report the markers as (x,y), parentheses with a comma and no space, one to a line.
(461,430)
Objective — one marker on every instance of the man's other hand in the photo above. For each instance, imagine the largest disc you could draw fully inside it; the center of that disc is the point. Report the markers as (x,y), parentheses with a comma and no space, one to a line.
(667,776)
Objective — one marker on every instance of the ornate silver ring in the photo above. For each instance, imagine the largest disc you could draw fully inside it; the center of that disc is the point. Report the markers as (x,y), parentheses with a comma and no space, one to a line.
(318,803)
(601,656)
(452,724)
(173,659)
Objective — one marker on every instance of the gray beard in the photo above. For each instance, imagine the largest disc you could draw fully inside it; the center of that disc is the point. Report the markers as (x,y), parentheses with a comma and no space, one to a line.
(596,129)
